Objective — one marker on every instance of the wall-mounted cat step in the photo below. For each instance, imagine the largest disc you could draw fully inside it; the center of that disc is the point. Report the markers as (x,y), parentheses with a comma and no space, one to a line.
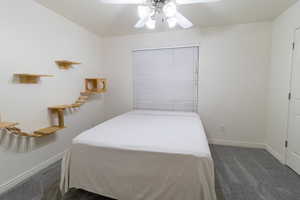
(38,133)
(87,93)
(8,124)
(65,64)
(80,102)
(31,78)
(63,107)
(76,105)
(98,86)
(83,98)
(48,131)
(95,85)
(17,131)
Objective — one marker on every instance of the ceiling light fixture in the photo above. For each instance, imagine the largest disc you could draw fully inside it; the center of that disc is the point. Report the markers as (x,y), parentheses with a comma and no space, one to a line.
(144,12)
(151,23)
(150,10)
(170,9)
(172,22)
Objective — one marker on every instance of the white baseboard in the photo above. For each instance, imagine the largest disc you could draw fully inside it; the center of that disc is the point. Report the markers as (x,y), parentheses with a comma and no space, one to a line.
(249,145)
(237,143)
(27,174)
(275,154)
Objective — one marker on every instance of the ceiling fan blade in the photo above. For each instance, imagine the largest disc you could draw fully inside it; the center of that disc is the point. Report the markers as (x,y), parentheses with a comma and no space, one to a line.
(141,23)
(123,1)
(195,1)
(183,21)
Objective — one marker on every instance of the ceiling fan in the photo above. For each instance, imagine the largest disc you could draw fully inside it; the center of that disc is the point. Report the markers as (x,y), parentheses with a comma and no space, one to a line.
(151,10)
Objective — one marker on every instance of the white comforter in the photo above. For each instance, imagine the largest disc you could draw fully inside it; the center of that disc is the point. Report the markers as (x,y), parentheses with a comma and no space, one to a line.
(143,155)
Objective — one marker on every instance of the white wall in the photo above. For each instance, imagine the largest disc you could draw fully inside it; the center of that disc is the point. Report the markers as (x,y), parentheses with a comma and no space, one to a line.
(232,85)
(282,37)
(234,62)
(32,38)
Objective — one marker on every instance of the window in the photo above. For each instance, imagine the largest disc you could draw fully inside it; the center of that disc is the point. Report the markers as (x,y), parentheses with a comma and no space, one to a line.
(166,79)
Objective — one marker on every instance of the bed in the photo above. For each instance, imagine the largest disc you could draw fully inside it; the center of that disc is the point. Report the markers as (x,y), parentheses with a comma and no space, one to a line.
(143,155)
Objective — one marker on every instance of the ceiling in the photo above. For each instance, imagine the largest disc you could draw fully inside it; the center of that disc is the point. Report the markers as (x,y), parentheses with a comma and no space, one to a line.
(109,20)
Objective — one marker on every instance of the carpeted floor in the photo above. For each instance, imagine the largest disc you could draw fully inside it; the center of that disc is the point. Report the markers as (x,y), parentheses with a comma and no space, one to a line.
(253,174)
(241,174)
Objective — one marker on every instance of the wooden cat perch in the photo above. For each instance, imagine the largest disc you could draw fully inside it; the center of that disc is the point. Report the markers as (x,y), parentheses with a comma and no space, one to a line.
(31,78)
(93,86)
(65,64)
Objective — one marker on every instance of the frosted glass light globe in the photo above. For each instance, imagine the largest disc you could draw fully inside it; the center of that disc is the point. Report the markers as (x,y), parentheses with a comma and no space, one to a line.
(172,22)
(144,12)
(170,9)
(151,23)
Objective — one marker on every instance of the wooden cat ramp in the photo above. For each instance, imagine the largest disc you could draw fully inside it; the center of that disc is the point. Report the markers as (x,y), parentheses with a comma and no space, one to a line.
(92,86)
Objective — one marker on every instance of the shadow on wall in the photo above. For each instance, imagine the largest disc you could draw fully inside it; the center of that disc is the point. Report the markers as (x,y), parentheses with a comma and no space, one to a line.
(23,144)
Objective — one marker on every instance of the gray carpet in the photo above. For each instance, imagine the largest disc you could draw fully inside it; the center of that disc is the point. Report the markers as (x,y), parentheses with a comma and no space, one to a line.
(241,174)
(253,174)
(42,186)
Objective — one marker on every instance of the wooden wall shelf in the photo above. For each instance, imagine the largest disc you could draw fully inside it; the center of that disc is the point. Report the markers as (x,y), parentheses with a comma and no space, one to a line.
(65,64)
(98,85)
(95,85)
(38,133)
(31,78)
(7,124)
(86,93)
(60,107)
(17,131)
(76,105)
(48,131)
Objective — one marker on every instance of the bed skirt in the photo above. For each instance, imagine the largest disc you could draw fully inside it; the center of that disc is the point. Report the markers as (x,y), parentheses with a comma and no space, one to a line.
(137,175)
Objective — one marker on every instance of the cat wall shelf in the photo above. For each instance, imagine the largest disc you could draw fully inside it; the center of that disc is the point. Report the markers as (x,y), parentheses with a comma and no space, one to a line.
(31,78)
(98,86)
(65,64)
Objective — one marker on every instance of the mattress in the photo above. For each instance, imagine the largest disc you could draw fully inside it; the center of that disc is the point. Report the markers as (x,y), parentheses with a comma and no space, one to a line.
(143,155)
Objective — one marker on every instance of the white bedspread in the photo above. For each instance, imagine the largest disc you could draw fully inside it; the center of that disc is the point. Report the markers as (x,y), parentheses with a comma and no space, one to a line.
(143,155)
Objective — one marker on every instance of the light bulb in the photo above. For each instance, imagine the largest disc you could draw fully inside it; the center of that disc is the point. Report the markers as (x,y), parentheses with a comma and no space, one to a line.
(151,23)
(145,11)
(172,22)
(170,9)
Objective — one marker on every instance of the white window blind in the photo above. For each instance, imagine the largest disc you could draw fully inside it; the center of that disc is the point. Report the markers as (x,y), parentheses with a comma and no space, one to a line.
(166,79)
